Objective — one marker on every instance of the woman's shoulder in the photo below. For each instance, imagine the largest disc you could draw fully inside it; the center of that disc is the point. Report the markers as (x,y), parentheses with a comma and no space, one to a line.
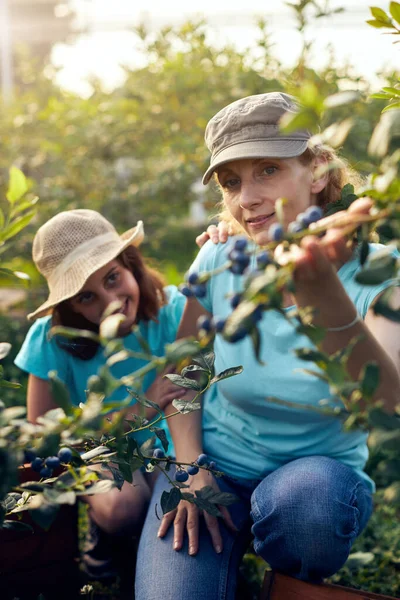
(213,255)
(40,328)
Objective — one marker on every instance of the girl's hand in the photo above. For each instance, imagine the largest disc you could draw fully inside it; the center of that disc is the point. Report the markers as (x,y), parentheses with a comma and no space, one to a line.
(216,233)
(186,516)
(162,391)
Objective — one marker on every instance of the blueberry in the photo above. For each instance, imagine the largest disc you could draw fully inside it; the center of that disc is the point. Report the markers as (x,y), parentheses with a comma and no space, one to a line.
(314,213)
(237,269)
(257,314)
(239,257)
(202,460)
(204,323)
(240,244)
(158,453)
(199,290)
(37,464)
(295,227)
(275,232)
(193,470)
(186,290)
(29,455)
(239,335)
(65,455)
(218,323)
(212,465)
(193,278)
(52,462)
(302,218)
(263,259)
(45,472)
(235,300)
(181,476)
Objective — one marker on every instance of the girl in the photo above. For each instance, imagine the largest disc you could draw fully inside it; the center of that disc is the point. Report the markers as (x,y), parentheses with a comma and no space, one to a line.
(300,478)
(87,265)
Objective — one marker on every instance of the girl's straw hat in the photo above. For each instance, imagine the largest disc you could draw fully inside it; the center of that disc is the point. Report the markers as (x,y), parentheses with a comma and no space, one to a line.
(71,246)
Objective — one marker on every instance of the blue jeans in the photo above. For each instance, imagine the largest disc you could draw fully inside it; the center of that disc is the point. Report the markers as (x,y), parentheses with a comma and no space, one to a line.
(306,516)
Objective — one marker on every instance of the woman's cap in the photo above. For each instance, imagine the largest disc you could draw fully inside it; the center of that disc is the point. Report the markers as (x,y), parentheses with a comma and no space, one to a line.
(72,246)
(249,128)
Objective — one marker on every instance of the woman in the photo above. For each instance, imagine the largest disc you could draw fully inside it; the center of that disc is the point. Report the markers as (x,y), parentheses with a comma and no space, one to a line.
(87,266)
(299,478)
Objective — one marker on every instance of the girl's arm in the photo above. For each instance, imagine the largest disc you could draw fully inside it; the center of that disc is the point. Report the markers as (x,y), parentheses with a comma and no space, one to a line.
(39,398)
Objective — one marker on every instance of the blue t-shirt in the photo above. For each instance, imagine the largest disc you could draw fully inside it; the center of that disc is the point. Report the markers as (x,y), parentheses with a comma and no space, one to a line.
(247,435)
(38,355)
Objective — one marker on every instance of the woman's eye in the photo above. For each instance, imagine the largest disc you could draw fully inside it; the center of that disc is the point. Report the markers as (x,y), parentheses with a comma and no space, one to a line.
(113,277)
(269,170)
(230,183)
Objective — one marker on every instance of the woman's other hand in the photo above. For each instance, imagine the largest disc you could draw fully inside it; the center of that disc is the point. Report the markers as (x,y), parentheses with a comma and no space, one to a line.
(216,233)
(186,518)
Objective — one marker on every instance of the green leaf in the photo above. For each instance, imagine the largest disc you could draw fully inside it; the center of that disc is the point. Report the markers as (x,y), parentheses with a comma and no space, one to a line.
(315,334)
(394,105)
(342,98)
(356,560)
(256,341)
(377,417)
(17,526)
(5,348)
(17,186)
(144,401)
(210,508)
(394,9)
(125,470)
(110,326)
(311,355)
(379,14)
(379,268)
(206,360)
(17,225)
(117,357)
(71,333)
(95,452)
(100,487)
(387,127)
(227,373)
(9,384)
(380,95)
(392,91)
(223,498)
(382,307)
(170,500)
(364,251)
(191,368)
(162,436)
(370,377)
(186,407)
(45,515)
(184,382)
(181,349)
(60,393)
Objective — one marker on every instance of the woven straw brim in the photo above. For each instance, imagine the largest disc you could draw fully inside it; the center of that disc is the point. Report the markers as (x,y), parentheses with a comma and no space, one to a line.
(71,281)
(278,148)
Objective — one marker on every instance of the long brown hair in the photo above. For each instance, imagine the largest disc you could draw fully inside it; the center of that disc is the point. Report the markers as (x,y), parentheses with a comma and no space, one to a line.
(152,298)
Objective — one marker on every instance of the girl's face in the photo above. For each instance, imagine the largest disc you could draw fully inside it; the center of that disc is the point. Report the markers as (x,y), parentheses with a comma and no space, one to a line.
(250,188)
(111,282)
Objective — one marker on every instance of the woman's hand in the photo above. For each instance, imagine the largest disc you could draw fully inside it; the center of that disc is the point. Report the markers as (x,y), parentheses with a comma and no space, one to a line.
(216,233)
(186,517)
(162,391)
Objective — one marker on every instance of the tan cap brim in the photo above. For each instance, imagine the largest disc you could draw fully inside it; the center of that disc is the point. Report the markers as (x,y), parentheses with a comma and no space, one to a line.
(278,148)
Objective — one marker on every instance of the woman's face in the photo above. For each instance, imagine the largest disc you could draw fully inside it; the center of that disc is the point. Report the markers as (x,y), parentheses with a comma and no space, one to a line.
(110,283)
(250,188)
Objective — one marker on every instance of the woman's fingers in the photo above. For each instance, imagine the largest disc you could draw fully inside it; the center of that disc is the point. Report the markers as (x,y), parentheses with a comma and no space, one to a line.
(213,528)
(226,516)
(166,522)
(193,529)
(216,233)
(202,239)
(180,525)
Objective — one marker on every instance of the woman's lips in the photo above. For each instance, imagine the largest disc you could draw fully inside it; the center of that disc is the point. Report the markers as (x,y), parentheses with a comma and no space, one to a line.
(260,222)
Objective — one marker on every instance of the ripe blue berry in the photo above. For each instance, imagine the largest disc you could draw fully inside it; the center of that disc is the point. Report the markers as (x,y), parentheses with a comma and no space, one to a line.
(181,476)
(45,472)
(204,323)
(302,218)
(218,323)
(295,227)
(212,465)
(314,213)
(193,470)
(186,290)
(158,453)
(240,244)
(257,314)
(193,278)
(202,460)
(37,464)
(275,232)
(65,455)
(199,290)
(263,259)
(235,300)
(52,462)
(239,335)
(29,455)
(237,269)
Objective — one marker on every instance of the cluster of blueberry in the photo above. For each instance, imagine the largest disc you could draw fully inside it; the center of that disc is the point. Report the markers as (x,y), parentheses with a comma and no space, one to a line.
(182,474)
(303,220)
(193,287)
(45,466)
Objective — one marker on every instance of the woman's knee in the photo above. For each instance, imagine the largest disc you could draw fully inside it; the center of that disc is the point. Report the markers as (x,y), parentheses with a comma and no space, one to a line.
(307,515)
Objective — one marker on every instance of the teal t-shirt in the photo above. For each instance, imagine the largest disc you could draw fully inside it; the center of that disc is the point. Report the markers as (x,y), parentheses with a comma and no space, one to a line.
(247,435)
(38,355)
